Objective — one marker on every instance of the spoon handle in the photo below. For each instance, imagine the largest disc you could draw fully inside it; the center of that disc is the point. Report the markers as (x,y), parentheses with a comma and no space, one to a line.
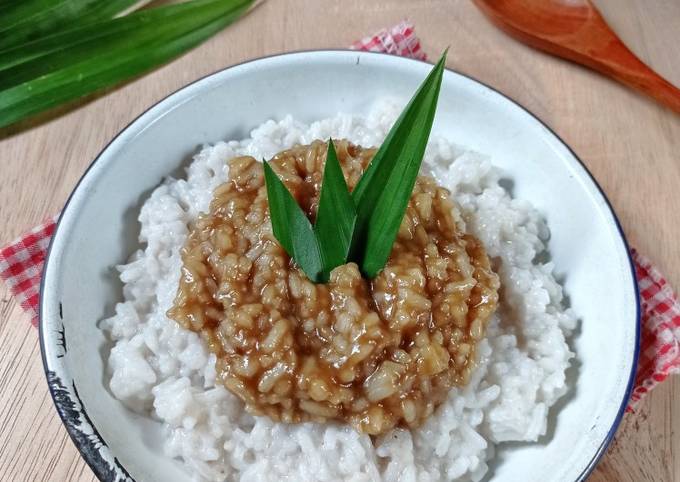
(624,66)
(608,55)
(581,34)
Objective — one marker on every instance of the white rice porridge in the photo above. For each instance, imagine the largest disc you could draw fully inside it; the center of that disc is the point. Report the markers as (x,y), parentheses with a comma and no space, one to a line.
(160,369)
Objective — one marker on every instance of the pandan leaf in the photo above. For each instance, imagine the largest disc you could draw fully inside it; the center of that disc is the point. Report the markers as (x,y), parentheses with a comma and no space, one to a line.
(335,215)
(292,227)
(383,192)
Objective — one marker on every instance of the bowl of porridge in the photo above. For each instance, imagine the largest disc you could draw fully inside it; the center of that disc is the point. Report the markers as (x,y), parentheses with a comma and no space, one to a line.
(183,340)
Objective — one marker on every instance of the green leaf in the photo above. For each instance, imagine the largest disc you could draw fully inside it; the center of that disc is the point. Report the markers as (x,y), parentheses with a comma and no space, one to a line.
(361,226)
(72,64)
(47,54)
(31,19)
(383,192)
(139,30)
(292,227)
(335,215)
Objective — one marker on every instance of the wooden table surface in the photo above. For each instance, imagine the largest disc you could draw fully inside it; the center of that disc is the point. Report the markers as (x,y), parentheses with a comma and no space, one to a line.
(631,145)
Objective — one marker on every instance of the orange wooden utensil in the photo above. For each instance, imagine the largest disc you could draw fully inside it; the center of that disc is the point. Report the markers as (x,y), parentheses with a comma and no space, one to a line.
(575,30)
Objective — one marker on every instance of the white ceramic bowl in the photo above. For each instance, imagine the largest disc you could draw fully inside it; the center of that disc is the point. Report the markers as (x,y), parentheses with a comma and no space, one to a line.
(98,230)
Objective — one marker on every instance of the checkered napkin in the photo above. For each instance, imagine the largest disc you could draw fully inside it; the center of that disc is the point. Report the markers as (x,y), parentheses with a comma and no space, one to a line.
(21,262)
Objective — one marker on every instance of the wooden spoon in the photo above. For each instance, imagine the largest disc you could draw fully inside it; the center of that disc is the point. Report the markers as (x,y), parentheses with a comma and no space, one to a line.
(575,30)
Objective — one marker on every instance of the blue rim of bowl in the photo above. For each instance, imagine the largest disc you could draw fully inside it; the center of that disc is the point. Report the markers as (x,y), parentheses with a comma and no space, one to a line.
(97,465)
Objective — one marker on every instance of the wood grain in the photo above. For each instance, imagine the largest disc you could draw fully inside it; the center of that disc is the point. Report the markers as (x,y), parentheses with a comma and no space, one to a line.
(629,143)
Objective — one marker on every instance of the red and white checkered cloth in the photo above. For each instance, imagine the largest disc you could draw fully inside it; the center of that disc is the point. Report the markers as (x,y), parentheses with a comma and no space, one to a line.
(21,262)
(660,330)
(398,40)
(21,265)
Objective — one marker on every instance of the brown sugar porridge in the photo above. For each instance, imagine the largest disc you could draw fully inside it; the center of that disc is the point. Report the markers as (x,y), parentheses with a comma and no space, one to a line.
(374,353)
(167,373)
